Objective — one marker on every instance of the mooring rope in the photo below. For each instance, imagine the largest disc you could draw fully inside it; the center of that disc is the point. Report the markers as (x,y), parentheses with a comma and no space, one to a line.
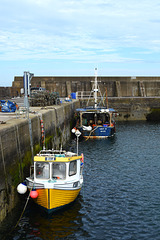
(21,213)
(23,210)
(18,219)
(91,133)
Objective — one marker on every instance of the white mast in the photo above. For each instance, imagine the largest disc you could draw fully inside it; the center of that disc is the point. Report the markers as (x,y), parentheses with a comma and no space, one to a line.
(95,89)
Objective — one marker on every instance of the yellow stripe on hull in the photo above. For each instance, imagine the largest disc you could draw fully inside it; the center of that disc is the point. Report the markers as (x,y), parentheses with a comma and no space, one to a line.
(55,198)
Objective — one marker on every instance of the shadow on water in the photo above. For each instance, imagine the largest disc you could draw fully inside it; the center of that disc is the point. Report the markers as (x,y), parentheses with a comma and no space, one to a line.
(36,224)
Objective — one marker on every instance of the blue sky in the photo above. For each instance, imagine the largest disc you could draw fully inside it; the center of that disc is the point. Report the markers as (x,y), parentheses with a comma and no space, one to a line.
(72,37)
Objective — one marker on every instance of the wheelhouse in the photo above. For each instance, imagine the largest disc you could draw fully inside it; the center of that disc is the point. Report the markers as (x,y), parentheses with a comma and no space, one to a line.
(56,167)
(98,116)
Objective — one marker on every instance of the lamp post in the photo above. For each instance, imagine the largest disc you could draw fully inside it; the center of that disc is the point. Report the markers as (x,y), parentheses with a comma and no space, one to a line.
(26,81)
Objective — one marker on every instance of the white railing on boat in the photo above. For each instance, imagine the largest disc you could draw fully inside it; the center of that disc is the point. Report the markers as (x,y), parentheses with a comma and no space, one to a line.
(86,95)
(56,152)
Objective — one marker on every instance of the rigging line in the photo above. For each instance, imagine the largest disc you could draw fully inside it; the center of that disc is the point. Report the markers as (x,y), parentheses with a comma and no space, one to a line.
(102,99)
(90,94)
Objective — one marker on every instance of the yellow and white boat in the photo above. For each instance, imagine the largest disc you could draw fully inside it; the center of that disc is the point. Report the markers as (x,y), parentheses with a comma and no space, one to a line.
(56,178)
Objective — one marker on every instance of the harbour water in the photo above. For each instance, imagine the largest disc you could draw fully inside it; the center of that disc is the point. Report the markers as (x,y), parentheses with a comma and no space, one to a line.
(120,198)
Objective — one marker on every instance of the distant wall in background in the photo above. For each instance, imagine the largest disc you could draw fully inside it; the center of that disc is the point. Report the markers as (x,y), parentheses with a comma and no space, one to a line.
(116,86)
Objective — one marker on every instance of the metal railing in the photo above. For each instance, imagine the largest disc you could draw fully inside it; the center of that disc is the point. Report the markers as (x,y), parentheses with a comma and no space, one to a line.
(86,95)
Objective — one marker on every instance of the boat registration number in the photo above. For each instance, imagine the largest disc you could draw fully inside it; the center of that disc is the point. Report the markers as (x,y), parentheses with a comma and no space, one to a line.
(102,130)
(50,158)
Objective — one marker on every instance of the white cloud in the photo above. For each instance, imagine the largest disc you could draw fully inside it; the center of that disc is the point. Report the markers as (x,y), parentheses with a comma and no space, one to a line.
(84,30)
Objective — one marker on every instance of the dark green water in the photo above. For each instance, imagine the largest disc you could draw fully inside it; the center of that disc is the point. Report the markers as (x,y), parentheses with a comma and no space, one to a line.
(120,198)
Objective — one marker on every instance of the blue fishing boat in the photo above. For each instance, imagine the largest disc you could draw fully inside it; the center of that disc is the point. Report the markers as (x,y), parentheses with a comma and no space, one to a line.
(96,121)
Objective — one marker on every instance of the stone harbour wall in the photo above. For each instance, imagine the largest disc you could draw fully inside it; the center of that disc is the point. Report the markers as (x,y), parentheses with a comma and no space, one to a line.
(117,86)
(15,147)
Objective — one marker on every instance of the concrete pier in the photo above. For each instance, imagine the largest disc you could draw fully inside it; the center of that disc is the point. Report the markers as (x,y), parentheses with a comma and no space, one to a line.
(16,150)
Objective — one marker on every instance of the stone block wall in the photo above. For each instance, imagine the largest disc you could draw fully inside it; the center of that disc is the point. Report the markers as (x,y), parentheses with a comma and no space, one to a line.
(116,86)
(15,147)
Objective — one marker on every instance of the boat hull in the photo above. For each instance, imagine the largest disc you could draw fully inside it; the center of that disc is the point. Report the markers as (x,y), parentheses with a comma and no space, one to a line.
(99,132)
(54,199)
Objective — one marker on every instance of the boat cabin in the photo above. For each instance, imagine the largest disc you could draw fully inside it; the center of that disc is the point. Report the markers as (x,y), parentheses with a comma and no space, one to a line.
(51,166)
(98,116)
(95,118)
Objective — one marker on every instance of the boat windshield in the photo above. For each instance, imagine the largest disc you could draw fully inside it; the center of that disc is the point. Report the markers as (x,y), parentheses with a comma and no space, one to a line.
(58,170)
(95,118)
(72,168)
(42,170)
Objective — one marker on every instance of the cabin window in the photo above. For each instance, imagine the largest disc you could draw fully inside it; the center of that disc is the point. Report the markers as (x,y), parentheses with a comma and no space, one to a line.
(58,170)
(42,170)
(72,168)
(84,121)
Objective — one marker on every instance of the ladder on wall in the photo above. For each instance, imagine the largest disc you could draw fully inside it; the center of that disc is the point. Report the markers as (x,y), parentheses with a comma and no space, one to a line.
(142,89)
